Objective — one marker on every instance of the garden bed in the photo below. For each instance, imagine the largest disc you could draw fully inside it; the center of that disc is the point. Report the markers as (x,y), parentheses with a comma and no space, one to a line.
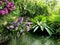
(30,22)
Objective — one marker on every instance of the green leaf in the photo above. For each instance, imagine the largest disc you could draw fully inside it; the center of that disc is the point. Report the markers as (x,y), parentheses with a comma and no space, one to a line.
(38,23)
(42,27)
(49,30)
(50,33)
(36,28)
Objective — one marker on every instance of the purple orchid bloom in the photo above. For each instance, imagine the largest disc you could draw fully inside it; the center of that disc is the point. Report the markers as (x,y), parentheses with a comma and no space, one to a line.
(2,12)
(28,28)
(20,19)
(11,27)
(16,22)
(16,25)
(10,4)
(12,8)
(28,23)
(6,11)
(0,2)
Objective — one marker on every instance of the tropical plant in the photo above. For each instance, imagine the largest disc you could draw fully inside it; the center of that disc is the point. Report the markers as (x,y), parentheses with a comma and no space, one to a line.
(41,22)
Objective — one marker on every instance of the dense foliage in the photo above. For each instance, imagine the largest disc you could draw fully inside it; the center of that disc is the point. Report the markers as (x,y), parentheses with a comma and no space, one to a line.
(36,13)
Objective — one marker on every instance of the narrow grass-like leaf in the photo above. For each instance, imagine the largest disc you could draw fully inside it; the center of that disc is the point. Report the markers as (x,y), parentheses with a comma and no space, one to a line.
(48,30)
(36,28)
